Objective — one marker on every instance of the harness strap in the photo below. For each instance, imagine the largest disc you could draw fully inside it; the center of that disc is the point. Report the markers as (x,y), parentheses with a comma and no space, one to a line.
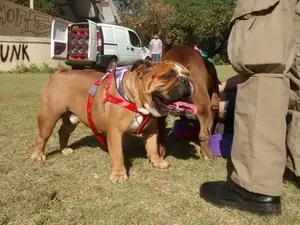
(92,92)
(118,101)
(112,99)
(144,123)
(99,137)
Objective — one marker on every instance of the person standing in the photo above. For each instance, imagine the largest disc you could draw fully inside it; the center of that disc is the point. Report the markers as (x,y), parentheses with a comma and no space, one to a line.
(264,48)
(156,48)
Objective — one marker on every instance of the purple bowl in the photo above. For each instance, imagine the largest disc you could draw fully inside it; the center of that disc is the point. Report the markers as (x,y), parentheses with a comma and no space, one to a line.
(220,144)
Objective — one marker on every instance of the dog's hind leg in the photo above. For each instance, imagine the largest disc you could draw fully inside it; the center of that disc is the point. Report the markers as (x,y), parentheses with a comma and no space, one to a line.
(215,100)
(204,137)
(205,117)
(68,125)
(207,127)
(47,119)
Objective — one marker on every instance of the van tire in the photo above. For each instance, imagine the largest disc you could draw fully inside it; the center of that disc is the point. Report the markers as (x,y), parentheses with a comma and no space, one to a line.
(113,63)
(77,68)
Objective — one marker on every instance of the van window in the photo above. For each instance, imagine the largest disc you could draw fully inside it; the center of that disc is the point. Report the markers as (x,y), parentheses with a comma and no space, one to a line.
(135,41)
(121,36)
(108,35)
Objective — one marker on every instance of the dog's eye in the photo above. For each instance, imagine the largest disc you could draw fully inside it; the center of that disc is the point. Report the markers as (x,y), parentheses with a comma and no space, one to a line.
(169,76)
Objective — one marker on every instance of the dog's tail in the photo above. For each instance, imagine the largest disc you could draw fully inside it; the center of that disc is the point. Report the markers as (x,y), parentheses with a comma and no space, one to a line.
(55,72)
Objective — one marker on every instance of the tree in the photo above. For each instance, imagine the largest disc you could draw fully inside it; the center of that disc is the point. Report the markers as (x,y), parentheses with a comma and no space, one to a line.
(205,22)
(130,6)
(147,18)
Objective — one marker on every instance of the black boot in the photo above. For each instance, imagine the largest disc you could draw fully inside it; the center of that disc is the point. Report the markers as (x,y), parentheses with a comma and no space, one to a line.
(228,193)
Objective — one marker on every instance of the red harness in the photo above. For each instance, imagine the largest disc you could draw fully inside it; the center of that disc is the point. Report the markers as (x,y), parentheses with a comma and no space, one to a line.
(112,99)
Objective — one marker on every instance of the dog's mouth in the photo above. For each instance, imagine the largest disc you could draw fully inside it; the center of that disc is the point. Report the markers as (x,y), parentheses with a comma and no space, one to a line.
(176,108)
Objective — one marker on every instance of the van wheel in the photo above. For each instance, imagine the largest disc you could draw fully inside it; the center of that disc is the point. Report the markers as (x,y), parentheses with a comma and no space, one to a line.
(113,64)
(77,67)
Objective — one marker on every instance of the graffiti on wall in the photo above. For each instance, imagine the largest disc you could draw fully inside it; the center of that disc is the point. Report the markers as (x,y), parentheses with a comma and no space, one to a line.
(9,53)
(22,21)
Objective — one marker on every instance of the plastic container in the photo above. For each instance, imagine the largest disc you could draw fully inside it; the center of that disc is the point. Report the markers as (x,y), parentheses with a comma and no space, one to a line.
(220,144)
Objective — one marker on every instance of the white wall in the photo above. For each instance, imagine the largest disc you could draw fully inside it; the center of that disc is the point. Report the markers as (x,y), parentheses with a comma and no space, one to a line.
(18,50)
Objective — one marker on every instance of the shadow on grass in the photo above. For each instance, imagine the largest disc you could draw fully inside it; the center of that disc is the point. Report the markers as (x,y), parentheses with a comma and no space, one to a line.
(134,147)
(182,148)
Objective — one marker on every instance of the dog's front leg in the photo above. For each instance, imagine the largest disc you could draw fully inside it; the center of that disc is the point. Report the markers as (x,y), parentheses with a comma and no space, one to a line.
(161,126)
(114,141)
(150,135)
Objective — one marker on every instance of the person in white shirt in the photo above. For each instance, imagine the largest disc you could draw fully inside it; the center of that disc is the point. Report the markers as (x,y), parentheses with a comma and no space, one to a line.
(156,48)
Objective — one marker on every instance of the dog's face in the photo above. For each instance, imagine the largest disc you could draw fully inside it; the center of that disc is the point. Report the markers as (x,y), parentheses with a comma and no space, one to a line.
(167,87)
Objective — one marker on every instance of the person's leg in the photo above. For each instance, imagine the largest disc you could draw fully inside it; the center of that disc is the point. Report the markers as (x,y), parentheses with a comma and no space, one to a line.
(155,57)
(258,152)
(293,118)
(158,57)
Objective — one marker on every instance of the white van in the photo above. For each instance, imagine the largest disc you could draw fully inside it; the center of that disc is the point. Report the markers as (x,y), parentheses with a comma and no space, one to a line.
(96,46)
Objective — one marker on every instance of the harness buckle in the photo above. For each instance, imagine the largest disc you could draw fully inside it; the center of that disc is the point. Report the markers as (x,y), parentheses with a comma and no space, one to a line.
(93,90)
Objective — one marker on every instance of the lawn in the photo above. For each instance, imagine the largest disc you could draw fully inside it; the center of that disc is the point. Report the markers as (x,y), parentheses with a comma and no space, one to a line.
(74,189)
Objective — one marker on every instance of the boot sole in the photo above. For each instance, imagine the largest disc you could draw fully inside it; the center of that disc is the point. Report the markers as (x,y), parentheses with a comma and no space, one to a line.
(261,209)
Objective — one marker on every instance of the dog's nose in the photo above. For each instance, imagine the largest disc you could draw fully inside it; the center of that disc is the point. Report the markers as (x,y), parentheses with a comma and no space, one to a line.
(186,83)
(184,80)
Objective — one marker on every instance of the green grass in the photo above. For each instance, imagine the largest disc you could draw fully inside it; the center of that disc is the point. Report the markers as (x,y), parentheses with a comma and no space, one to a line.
(75,189)
(224,72)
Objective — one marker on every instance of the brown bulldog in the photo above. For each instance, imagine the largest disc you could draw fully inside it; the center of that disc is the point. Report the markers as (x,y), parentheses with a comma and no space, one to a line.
(206,94)
(115,104)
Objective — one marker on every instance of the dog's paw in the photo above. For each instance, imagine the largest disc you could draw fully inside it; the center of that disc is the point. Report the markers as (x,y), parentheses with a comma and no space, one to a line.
(207,155)
(162,151)
(118,178)
(67,151)
(39,156)
(162,164)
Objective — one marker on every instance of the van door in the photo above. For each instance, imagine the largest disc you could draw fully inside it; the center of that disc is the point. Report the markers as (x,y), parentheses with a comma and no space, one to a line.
(59,40)
(93,41)
(123,43)
(110,44)
(134,47)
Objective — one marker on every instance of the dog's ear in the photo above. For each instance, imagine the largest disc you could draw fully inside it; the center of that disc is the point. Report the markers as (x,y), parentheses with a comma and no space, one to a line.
(137,63)
(141,67)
